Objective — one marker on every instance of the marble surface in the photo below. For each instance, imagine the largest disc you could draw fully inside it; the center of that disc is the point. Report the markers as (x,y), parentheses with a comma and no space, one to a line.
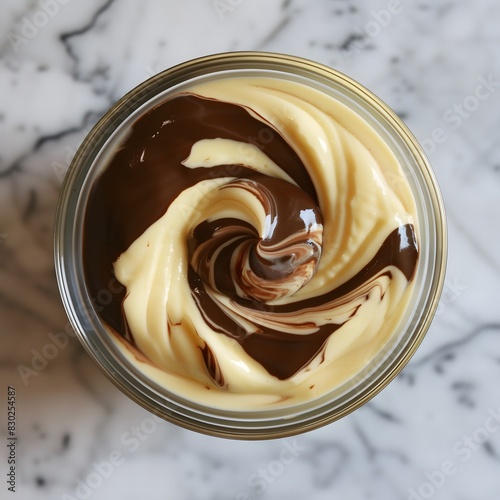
(434,432)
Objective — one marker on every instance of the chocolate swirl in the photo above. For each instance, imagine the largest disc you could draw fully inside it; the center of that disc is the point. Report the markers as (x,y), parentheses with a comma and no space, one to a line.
(275,231)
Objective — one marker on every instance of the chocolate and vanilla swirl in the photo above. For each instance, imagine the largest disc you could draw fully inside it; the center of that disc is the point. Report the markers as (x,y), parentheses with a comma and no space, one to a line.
(266,238)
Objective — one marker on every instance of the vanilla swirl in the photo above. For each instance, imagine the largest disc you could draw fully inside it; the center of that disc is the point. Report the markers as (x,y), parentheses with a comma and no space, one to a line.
(266,251)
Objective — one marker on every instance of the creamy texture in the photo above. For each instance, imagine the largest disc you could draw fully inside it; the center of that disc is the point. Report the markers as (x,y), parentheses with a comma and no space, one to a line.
(266,237)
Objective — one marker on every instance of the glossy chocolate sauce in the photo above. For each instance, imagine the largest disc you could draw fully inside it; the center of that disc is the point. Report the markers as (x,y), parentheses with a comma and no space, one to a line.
(146,174)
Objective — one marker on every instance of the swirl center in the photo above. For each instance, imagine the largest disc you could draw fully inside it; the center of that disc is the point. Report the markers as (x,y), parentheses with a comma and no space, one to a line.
(265,260)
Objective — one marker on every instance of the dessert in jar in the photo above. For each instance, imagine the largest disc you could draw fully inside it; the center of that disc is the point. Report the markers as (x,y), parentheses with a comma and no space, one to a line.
(267,240)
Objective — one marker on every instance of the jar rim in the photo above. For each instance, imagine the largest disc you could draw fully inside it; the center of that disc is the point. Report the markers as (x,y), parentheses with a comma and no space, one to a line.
(236,425)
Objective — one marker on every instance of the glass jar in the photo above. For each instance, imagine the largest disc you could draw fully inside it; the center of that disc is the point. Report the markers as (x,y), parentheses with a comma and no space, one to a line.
(83,309)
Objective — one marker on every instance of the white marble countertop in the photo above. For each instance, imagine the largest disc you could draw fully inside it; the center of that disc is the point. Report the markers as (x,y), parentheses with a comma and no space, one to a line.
(434,432)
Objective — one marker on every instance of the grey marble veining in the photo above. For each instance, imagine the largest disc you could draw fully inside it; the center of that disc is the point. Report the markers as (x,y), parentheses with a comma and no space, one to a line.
(434,432)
